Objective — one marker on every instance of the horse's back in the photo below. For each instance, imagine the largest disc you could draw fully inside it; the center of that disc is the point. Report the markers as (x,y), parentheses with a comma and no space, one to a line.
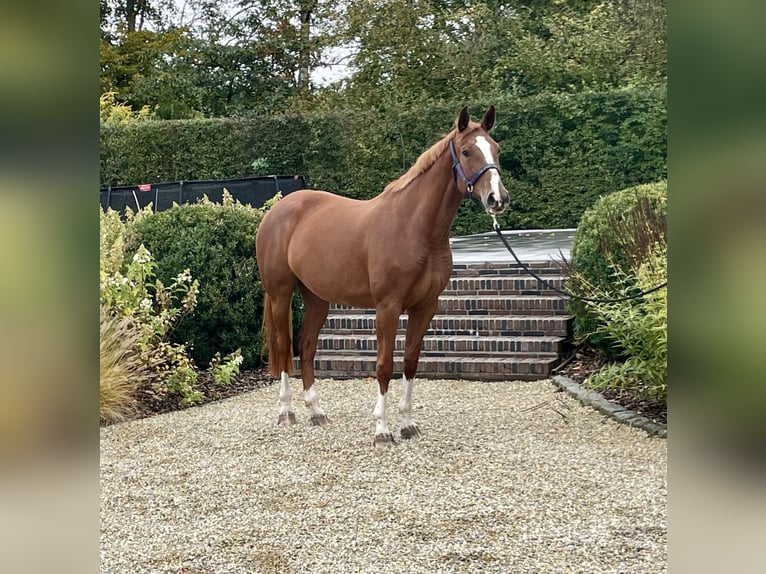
(307,198)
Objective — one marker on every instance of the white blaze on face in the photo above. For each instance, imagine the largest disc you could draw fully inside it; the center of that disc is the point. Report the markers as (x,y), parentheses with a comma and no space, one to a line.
(494,178)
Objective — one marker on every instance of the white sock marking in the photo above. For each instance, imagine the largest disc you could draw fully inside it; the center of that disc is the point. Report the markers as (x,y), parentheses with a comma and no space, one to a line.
(312,401)
(494,177)
(405,403)
(285,396)
(380,415)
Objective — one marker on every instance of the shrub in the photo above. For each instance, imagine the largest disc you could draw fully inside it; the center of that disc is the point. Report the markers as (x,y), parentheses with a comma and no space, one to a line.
(114,112)
(130,293)
(223,371)
(637,328)
(613,239)
(123,370)
(141,368)
(216,243)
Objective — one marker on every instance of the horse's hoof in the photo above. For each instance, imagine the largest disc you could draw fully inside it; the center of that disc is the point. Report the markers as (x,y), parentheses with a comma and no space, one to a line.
(384,440)
(319,420)
(286,419)
(410,432)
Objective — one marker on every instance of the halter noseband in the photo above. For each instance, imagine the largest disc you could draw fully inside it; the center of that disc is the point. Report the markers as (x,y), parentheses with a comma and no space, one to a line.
(457,169)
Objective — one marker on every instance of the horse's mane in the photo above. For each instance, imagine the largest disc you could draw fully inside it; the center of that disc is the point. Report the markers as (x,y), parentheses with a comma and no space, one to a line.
(426,160)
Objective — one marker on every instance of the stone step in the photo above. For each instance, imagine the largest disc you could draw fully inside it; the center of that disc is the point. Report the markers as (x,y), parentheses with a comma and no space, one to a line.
(502,285)
(447,344)
(485,305)
(476,325)
(333,365)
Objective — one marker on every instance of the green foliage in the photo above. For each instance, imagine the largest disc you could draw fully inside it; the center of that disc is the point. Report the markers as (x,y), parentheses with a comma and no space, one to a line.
(158,323)
(208,59)
(112,111)
(559,152)
(571,46)
(216,243)
(123,369)
(412,53)
(407,52)
(129,291)
(224,371)
(613,238)
(637,328)
(135,67)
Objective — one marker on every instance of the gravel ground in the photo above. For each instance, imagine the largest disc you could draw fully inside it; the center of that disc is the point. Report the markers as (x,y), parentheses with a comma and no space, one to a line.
(508,477)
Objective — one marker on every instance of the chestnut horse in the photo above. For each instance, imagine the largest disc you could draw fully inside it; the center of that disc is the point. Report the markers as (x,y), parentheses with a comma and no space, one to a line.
(391,252)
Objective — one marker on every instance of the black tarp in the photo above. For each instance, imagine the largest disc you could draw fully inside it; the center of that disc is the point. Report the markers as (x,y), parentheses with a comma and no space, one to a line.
(254,191)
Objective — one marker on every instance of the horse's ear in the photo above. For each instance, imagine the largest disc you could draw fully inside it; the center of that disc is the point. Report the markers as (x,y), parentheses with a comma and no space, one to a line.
(489,119)
(463,118)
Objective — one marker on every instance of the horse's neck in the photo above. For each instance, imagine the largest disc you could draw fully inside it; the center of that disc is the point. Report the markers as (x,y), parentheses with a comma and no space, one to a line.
(431,201)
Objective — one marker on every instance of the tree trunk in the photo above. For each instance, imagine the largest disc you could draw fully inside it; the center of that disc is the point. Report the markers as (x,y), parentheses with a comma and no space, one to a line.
(306,10)
(130,14)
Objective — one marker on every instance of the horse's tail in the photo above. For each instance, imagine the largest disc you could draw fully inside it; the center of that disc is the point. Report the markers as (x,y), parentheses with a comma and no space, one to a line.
(280,356)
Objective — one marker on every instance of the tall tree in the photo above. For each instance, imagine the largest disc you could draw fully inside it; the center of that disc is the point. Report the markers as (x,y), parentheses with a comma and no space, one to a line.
(203,57)
(405,50)
(135,15)
(224,57)
(571,46)
(425,50)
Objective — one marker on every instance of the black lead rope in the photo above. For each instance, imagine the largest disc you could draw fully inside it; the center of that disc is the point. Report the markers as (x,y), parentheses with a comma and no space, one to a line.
(496,227)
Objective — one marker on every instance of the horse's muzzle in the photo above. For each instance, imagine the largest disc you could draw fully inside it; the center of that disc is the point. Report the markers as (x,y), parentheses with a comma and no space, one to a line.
(496,205)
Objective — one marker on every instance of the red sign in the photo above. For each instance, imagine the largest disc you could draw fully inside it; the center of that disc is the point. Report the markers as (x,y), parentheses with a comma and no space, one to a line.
(144,187)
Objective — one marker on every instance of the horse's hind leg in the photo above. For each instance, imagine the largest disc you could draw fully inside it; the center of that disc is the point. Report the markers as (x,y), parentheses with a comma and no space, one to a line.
(418,320)
(280,352)
(316,313)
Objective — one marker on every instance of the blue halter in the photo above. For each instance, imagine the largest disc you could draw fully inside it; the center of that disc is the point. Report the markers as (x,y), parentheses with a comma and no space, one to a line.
(457,169)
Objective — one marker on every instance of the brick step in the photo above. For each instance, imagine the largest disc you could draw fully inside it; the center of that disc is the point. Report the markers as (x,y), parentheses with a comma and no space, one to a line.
(502,305)
(447,344)
(333,365)
(502,285)
(484,325)
(485,305)
(542,268)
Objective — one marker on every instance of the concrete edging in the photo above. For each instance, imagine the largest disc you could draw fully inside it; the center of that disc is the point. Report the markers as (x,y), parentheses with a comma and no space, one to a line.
(591,398)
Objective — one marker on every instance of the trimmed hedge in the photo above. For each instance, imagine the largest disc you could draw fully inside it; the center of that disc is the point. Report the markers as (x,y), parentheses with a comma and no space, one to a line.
(614,238)
(559,152)
(217,244)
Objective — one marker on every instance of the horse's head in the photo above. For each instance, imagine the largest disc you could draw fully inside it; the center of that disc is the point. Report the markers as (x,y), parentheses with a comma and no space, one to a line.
(475,162)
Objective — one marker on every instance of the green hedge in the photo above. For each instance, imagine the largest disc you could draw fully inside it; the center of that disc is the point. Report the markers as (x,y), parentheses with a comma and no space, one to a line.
(559,152)
(614,238)
(217,244)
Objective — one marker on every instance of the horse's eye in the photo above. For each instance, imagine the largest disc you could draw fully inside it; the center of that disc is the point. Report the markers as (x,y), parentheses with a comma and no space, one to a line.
(466,153)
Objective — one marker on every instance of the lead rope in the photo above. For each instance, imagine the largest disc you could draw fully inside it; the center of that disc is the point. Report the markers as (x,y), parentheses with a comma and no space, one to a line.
(496,227)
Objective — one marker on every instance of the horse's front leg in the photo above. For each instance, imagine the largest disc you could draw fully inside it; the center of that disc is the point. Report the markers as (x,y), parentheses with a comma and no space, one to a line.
(386,322)
(316,313)
(418,320)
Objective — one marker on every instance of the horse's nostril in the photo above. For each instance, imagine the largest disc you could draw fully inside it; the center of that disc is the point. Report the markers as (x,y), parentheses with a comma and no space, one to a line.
(491,200)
